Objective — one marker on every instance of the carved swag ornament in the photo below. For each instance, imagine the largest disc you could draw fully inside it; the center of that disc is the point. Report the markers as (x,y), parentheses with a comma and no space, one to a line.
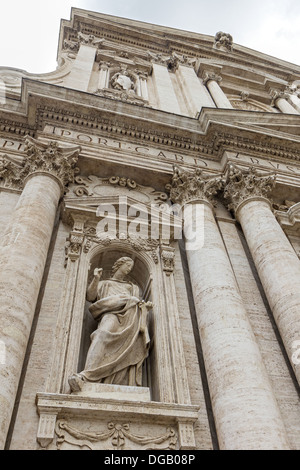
(117,437)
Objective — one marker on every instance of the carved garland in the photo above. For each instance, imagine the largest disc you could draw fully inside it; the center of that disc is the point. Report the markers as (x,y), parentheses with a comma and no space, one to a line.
(117,437)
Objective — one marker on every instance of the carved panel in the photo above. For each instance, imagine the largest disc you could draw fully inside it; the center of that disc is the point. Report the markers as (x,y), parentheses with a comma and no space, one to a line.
(117,436)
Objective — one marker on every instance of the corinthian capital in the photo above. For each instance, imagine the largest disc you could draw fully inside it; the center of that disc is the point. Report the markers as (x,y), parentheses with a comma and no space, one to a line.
(10,173)
(50,159)
(193,186)
(242,185)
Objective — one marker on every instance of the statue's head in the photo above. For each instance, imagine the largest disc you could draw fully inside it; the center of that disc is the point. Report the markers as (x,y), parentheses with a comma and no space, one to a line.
(124,265)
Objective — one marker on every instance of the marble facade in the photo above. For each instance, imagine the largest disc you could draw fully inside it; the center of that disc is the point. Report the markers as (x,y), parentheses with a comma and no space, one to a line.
(177,151)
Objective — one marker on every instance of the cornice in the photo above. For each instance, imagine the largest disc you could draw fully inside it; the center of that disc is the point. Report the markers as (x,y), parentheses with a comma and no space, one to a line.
(216,130)
(144,36)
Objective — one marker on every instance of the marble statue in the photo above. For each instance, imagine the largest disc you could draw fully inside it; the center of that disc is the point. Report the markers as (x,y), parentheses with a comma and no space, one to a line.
(120,344)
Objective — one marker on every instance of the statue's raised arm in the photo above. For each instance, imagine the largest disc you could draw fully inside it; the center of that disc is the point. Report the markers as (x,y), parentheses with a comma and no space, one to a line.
(92,290)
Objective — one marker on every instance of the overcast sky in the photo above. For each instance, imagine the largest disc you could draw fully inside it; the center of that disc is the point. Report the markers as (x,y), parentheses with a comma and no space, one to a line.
(29,28)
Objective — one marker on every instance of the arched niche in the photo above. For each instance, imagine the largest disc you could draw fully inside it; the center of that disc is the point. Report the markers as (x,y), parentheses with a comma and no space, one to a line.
(101,257)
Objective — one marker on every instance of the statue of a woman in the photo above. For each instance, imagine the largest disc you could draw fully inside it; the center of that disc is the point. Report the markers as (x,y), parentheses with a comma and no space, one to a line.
(121,342)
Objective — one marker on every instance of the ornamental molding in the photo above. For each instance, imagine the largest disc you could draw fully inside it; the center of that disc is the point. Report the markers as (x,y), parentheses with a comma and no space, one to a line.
(193,186)
(172,61)
(167,254)
(210,145)
(138,244)
(94,186)
(224,141)
(117,436)
(86,39)
(120,95)
(246,184)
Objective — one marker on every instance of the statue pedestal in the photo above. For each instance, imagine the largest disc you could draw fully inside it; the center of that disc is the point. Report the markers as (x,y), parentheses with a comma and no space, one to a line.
(116,392)
(123,419)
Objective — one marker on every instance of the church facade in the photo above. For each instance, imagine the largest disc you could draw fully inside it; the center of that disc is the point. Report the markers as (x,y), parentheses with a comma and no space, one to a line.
(150,243)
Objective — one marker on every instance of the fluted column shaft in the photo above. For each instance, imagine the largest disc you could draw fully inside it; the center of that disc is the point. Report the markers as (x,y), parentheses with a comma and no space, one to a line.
(276,262)
(23,254)
(244,406)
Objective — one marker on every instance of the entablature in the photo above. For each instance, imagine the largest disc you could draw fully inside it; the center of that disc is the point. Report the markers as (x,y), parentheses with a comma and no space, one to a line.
(215,131)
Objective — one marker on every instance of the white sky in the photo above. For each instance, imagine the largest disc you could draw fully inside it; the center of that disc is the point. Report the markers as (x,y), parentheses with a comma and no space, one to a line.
(30,28)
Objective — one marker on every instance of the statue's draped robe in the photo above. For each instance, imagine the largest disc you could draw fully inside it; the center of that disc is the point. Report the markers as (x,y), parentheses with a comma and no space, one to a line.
(120,344)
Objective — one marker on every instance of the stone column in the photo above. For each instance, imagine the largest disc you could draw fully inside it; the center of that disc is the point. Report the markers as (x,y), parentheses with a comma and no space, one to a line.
(196,93)
(244,406)
(275,259)
(280,101)
(294,97)
(295,100)
(23,254)
(212,80)
(166,95)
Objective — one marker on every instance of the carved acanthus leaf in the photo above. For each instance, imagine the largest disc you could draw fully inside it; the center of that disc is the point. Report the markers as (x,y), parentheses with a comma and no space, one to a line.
(246,184)
(168,259)
(51,159)
(194,186)
(10,173)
